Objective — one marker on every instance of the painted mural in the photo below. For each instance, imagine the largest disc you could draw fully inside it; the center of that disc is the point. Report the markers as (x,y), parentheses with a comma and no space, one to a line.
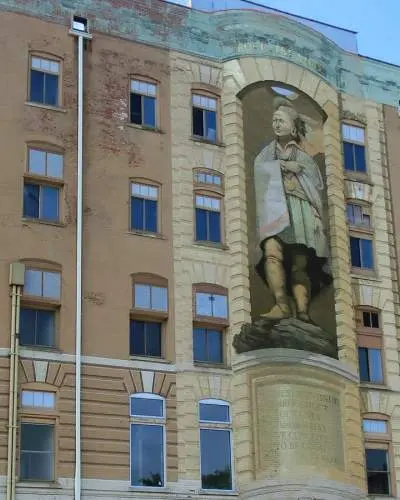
(290,269)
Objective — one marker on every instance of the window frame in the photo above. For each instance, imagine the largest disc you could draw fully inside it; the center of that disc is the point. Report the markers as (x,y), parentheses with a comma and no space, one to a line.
(356,174)
(366,209)
(148,420)
(210,92)
(147,183)
(52,58)
(368,271)
(156,83)
(218,426)
(373,440)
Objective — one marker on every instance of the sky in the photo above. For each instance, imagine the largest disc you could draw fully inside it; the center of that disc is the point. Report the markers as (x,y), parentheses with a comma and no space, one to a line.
(376,21)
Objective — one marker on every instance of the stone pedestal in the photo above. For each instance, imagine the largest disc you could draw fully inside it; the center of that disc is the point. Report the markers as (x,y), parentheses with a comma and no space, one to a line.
(296,427)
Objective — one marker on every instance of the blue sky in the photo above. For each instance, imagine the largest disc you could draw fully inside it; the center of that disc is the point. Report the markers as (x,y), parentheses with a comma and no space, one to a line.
(376,21)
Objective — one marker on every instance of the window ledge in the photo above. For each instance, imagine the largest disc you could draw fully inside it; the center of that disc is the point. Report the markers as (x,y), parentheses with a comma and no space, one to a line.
(28,483)
(38,348)
(364,274)
(207,141)
(156,236)
(27,220)
(150,489)
(369,385)
(212,368)
(358,177)
(148,129)
(361,229)
(231,493)
(208,244)
(149,359)
(45,106)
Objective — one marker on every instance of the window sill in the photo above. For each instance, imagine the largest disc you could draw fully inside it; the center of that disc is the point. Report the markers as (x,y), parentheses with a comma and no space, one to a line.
(29,483)
(363,274)
(39,348)
(371,385)
(45,106)
(202,140)
(209,244)
(148,359)
(150,489)
(360,229)
(146,128)
(211,367)
(156,236)
(365,178)
(26,220)
(230,493)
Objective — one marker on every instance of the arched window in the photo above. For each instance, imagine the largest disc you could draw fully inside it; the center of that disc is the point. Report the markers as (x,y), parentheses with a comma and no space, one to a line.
(147,436)
(216,466)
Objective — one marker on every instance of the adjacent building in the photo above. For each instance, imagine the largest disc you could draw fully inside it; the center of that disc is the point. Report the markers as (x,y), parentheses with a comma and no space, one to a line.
(141,239)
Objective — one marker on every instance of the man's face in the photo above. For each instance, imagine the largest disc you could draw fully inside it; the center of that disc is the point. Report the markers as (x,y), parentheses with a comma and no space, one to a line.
(282,123)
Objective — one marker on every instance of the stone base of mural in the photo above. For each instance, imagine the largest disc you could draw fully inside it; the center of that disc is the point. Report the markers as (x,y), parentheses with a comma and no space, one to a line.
(287,333)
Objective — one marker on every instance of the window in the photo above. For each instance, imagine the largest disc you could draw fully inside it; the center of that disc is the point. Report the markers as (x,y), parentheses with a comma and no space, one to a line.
(143,103)
(208,219)
(209,321)
(358,216)
(144,208)
(215,445)
(369,337)
(377,455)
(361,252)
(44,81)
(38,399)
(147,426)
(354,148)
(148,316)
(41,198)
(370,364)
(211,179)
(370,319)
(41,298)
(204,117)
(37,452)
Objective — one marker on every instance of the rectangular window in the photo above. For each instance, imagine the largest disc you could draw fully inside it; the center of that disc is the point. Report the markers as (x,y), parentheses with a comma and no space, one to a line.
(150,297)
(38,399)
(44,81)
(213,411)
(354,148)
(377,461)
(370,365)
(45,163)
(147,455)
(144,207)
(41,202)
(358,216)
(143,103)
(37,327)
(207,178)
(37,452)
(361,251)
(215,451)
(204,117)
(147,405)
(207,345)
(375,426)
(46,284)
(370,319)
(145,338)
(211,304)
(208,219)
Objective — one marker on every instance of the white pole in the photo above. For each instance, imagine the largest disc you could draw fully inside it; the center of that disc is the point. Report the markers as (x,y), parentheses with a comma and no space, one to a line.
(78,347)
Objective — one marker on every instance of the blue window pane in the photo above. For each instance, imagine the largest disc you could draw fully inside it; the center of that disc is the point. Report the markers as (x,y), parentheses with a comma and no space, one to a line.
(215,446)
(376,460)
(45,328)
(137,213)
(149,111)
(359,152)
(199,344)
(197,121)
(214,412)
(220,306)
(148,407)
(214,346)
(201,224)
(31,200)
(367,254)
(147,455)
(355,252)
(136,109)
(27,326)
(151,215)
(153,339)
(37,86)
(348,156)
(137,338)
(142,296)
(363,364)
(215,226)
(51,89)
(211,125)
(375,366)
(204,304)
(49,203)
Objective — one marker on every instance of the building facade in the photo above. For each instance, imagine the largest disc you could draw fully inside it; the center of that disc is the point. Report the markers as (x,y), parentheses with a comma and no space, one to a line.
(169,396)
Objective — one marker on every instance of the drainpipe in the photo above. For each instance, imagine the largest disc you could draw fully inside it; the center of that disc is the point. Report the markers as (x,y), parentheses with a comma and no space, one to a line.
(16,281)
(79,30)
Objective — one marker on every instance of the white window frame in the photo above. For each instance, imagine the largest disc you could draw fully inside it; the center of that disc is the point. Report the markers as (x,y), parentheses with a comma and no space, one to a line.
(144,88)
(148,420)
(217,425)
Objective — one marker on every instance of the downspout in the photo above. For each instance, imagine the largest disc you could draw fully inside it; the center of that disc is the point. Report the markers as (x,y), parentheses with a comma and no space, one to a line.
(16,281)
(79,30)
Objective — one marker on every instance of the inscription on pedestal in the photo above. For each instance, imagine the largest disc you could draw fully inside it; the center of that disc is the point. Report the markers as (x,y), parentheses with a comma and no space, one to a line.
(296,426)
